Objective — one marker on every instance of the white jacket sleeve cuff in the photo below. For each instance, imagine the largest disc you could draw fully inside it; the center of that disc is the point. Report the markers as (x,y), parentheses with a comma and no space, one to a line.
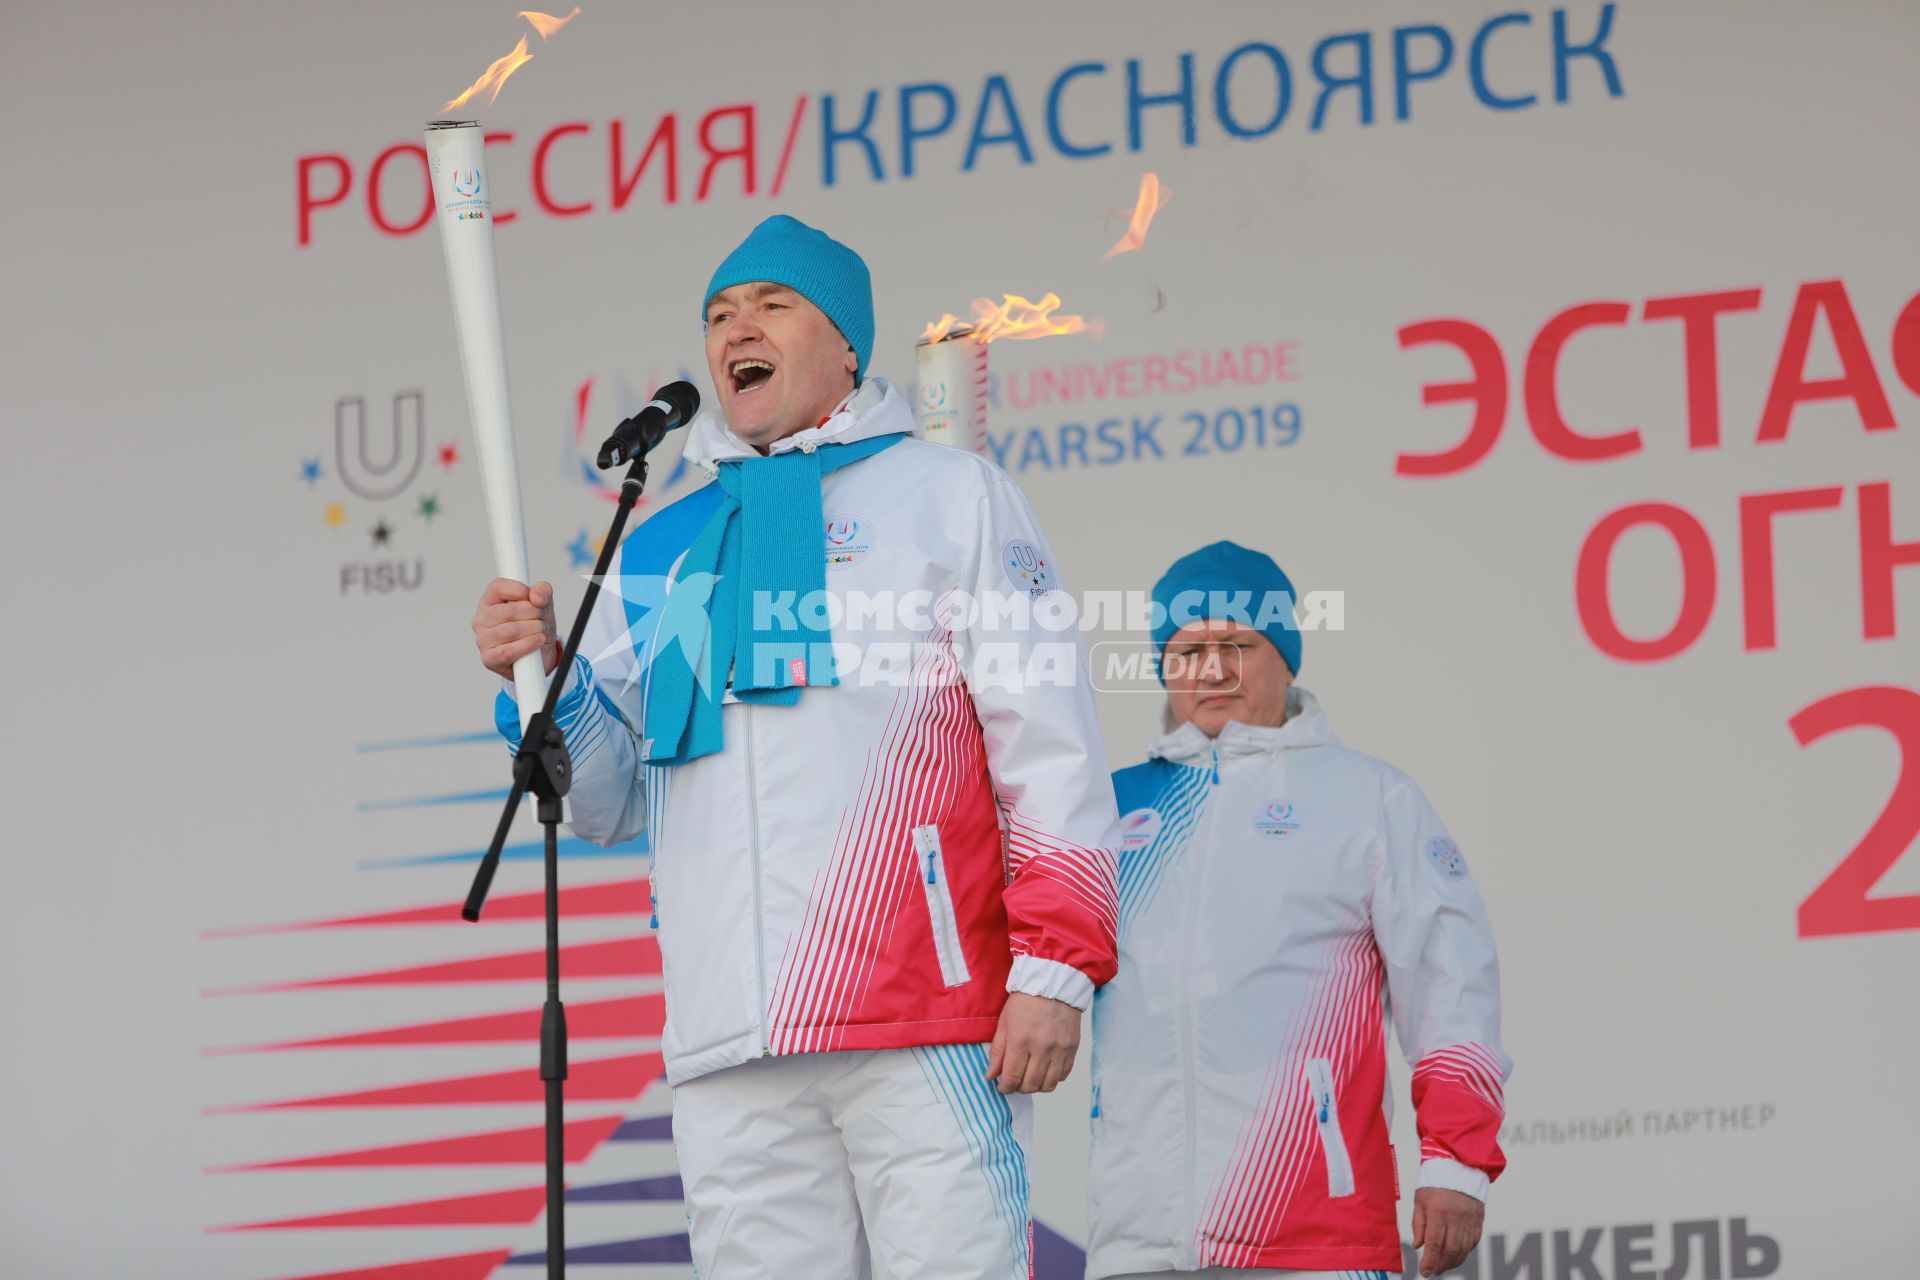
(1032,976)
(1451,1175)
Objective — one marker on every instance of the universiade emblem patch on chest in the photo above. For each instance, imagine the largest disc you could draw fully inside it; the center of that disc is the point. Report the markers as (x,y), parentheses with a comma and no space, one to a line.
(1277,821)
(849,540)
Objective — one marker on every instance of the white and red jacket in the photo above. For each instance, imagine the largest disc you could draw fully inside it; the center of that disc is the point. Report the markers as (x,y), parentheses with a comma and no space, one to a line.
(877,865)
(1280,897)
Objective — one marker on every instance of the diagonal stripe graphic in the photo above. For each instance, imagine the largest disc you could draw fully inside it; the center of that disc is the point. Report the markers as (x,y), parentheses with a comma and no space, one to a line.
(620,958)
(490,1208)
(606,1080)
(570,849)
(614,898)
(504,1146)
(464,1266)
(627,1018)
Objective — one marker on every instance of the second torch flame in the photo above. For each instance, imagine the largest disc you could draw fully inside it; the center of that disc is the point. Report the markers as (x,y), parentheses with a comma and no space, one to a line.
(1012,317)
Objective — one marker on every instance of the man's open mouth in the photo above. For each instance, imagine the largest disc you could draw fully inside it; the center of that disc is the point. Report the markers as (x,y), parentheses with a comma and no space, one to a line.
(749,375)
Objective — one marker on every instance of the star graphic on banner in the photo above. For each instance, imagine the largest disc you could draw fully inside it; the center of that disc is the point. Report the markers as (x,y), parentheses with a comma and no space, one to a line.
(449,454)
(429,506)
(381,533)
(336,514)
(581,554)
(310,471)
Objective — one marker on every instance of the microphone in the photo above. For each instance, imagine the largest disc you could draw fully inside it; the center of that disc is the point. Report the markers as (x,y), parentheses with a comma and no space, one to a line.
(673,405)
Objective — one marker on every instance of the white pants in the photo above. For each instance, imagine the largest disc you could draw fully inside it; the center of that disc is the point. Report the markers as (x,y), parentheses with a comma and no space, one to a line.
(897,1164)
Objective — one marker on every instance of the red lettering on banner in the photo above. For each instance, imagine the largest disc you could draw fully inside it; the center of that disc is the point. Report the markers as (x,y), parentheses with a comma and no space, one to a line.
(1543,398)
(786,149)
(1487,388)
(1698,313)
(1841,905)
(1155,375)
(374,187)
(1880,555)
(1858,382)
(1697,582)
(1906,344)
(1757,511)
(665,134)
(310,200)
(741,150)
(540,192)
(501,217)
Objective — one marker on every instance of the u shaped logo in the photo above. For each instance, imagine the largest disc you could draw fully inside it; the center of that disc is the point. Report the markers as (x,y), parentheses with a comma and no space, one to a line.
(377,474)
(466,182)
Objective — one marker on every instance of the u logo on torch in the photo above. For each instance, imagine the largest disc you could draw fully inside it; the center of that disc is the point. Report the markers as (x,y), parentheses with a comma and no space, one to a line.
(466,182)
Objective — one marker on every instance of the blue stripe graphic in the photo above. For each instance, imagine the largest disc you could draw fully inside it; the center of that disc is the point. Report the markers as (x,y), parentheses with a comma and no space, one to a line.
(957,1073)
(571,848)
(442,740)
(1179,800)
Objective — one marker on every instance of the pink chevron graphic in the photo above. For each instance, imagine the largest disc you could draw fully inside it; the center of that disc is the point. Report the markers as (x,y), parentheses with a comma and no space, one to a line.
(622,958)
(504,1146)
(931,745)
(464,1266)
(1276,1147)
(614,898)
(627,1018)
(606,1080)
(1471,1066)
(490,1208)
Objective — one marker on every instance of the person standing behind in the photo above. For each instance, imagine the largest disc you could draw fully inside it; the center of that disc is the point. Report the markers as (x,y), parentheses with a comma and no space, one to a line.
(1281,896)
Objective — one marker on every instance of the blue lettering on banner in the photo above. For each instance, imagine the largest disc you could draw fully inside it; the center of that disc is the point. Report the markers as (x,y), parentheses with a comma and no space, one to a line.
(1072,446)
(1243,91)
(1084,109)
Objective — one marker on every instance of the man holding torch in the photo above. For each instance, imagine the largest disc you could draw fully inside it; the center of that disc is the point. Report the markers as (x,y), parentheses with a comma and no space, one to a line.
(882,894)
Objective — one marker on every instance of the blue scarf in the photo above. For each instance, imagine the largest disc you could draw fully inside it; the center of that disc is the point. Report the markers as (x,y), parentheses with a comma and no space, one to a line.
(765,541)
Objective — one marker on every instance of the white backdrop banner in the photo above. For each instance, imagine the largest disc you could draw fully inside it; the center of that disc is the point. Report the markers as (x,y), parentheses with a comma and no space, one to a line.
(1571,351)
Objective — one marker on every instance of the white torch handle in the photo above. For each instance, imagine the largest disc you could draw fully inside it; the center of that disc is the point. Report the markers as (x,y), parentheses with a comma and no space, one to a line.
(456,158)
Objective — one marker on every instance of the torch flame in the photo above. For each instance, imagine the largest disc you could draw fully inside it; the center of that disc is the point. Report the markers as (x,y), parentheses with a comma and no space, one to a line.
(1153,197)
(938,330)
(1015,317)
(546,24)
(495,76)
(1012,317)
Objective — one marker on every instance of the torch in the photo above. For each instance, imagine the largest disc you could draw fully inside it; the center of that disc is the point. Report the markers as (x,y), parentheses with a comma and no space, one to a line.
(951,360)
(457,162)
(952,369)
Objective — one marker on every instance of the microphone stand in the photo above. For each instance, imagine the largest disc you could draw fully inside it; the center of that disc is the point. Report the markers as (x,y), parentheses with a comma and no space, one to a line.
(543,767)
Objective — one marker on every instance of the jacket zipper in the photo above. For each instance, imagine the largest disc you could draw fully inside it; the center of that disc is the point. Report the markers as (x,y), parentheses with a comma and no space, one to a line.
(1188,1034)
(753,848)
(946,927)
(1326,1117)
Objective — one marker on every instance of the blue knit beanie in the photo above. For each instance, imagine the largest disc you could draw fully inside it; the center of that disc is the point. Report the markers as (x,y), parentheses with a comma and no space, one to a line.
(1226,580)
(784,250)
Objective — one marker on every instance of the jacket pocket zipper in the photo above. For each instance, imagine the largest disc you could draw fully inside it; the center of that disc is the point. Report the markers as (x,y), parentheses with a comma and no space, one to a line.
(1326,1118)
(946,928)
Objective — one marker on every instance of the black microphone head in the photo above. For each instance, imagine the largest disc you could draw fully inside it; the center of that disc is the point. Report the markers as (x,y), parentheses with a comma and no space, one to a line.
(685,399)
